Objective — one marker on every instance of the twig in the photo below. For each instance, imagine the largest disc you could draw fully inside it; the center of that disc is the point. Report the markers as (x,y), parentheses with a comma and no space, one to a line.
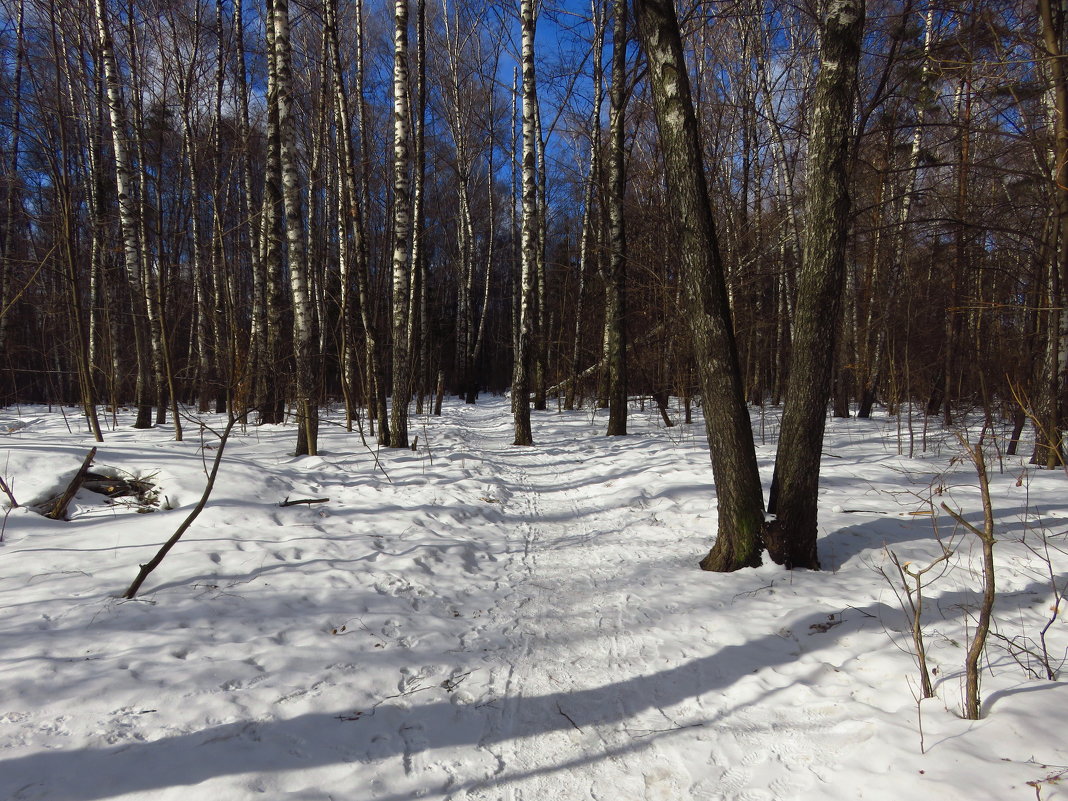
(7,491)
(570,719)
(453,682)
(636,733)
(308,501)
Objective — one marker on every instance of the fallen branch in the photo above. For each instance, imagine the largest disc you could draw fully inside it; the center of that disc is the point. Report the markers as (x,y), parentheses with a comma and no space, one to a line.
(7,491)
(58,510)
(147,568)
(299,501)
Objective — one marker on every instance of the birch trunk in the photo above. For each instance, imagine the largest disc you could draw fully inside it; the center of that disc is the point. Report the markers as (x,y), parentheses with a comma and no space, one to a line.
(304,357)
(269,391)
(795,485)
(402,224)
(354,259)
(128,222)
(521,379)
(417,321)
(730,437)
(1052,383)
(616,284)
(885,287)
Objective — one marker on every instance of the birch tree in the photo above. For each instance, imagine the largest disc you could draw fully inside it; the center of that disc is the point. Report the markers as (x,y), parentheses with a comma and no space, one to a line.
(305,374)
(730,437)
(128,215)
(616,279)
(402,224)
(521,378)
(1052,399)
(795,486)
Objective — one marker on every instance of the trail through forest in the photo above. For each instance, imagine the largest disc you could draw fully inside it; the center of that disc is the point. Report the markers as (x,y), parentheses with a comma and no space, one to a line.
(479,621)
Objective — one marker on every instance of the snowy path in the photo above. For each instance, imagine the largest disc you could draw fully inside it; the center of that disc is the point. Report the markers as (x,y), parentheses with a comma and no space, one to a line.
(588,603)
(487,623)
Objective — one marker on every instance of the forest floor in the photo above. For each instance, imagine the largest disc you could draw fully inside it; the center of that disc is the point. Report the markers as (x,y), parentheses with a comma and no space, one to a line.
(478,621)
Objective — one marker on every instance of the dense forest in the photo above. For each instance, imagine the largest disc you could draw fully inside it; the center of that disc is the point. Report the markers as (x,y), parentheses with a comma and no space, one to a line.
(272,207)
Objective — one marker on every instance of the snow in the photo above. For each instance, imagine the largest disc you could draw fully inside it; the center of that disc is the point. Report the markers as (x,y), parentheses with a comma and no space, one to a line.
(478,621)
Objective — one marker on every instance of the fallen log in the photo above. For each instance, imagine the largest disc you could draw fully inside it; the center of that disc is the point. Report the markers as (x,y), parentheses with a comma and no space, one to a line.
(114,487)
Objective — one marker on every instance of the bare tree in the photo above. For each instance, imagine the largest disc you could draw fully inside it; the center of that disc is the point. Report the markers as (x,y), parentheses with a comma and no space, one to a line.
(306,389)
(1053,390)
(730,437)
(125,181)
(616,278)
(402,224)
(521,374)
(795,486)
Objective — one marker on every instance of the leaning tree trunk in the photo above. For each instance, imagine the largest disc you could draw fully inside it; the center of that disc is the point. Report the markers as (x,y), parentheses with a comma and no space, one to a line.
(730,435)
(795,486)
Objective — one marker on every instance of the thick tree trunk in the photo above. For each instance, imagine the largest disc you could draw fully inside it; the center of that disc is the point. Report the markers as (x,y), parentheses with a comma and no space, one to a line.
(269,394)
(402,224)
(730,436)
(521,378)
(304,357)
(616,284)
(795,486)
(1052,390)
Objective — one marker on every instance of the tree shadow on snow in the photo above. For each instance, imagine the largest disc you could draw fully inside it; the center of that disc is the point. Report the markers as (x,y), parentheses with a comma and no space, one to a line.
(365,738)
(842,544)
(348,735)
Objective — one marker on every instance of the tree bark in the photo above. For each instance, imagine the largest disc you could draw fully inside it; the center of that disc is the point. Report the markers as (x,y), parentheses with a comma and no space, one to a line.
(1052,385)
(304,358)
(795,486)
(521,378)
(616,283)
(730,437)
(402,223)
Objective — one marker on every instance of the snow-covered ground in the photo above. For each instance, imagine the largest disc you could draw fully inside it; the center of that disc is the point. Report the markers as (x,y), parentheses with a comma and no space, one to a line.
(477,621)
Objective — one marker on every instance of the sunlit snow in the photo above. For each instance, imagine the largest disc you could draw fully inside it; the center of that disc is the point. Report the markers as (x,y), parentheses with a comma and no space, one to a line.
(478,621)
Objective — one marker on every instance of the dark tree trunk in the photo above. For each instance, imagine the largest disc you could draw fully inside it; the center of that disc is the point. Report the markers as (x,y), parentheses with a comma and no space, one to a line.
(521,373)
(616,284)
(795,486)
(730,435)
